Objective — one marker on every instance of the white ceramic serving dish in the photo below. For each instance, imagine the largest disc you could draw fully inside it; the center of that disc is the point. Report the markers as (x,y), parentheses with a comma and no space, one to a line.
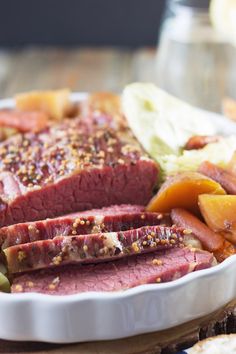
(103,316)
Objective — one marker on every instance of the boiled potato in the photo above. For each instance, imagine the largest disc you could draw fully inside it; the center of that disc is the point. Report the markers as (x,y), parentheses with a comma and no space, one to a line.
(219,212)
(55,104)
(102,102)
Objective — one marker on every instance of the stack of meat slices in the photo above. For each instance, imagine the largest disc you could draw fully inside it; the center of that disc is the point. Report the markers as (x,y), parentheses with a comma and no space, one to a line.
(78,165)
(113,248)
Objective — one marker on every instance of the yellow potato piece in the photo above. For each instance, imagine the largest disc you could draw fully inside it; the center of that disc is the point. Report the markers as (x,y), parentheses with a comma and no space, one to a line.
(54,103)
(104,102)
(219,213)
(182,191)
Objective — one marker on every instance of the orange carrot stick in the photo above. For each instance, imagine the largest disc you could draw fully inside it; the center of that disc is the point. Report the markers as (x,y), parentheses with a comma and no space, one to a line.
(199,141)
(210,240)
(218,174)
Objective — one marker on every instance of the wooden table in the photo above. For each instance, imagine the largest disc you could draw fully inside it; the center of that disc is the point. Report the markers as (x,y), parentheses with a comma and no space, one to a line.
(85,69)
(91,69)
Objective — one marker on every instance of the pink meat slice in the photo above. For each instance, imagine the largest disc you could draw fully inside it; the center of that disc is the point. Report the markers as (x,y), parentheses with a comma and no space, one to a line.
(71,166)
(91,248)
(114,218)
(122,274)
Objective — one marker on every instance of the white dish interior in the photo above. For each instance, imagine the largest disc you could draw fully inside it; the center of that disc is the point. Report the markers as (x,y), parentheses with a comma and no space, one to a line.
(104,316)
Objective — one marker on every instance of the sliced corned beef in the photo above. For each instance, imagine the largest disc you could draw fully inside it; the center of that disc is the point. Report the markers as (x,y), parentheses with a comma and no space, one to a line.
(114,218)
(117,275)
(91,248)
(71,166)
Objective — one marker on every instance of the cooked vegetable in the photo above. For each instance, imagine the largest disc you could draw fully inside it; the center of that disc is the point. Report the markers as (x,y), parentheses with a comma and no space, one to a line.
(163,125)
(32,121)
(161,122)
(102,102)
(4,284)
(182,191)
(219,153)
(200,141)
(231,237)
(210,240)
(225,251)
(3,269)
(219,212)
(220,175)
(54,103)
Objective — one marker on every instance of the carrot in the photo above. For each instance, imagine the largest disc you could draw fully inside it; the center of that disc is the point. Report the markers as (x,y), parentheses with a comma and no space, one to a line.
(33,121)
(210,240)
(218,174)
(199,141)
(225,251)
(182,191)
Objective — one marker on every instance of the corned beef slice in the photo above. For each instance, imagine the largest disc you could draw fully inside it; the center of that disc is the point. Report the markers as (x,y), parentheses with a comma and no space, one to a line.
(117,275)
(70,167)
(114,218)
(92,248)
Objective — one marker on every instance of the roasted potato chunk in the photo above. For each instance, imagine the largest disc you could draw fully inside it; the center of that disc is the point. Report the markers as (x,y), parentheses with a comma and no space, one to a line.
(102,102)
(55,104)
(219,212)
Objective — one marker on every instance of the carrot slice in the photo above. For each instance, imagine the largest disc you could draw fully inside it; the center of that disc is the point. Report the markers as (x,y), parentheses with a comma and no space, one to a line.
(210,240)
(218,174)
(23,121)
(182,191)
(199,141)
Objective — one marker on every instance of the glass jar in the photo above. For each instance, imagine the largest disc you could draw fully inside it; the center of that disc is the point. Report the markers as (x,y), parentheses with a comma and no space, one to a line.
(194,62)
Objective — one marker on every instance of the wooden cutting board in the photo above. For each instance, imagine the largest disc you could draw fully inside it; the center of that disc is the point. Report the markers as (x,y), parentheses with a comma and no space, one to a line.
(164,342)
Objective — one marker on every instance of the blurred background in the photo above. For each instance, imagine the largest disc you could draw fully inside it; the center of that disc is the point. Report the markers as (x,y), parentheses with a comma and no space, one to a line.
(88,45)
(94,45)
(128,23)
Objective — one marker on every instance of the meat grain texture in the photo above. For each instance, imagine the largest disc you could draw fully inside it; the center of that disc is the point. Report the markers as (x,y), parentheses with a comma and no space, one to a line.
(72,166)
(109,219)
(122,274)
(92,248)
